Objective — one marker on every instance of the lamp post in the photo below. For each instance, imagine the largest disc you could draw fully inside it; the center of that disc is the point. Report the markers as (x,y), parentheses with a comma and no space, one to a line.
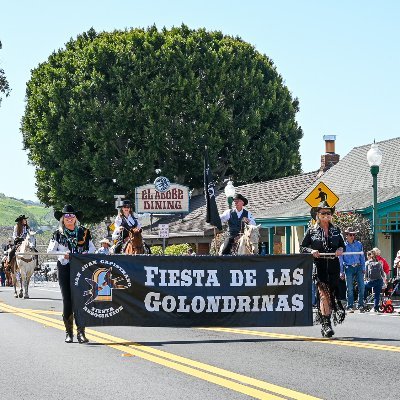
(230,191)
(374,158)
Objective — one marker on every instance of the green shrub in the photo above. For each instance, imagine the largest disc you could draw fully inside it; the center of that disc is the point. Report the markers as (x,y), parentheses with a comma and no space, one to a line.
(173,250)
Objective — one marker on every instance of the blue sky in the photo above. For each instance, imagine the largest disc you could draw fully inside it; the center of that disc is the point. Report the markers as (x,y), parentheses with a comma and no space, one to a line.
(341,60)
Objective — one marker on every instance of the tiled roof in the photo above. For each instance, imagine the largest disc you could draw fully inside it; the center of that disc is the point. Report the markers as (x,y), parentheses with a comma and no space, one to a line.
(351,180)
(260,196)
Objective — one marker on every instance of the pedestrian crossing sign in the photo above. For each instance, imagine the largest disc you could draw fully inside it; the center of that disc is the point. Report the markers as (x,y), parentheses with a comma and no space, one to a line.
(320,193)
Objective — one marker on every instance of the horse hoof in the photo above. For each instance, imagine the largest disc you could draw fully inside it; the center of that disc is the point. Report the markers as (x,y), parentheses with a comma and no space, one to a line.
(16,296)
(26,297)
(20,295)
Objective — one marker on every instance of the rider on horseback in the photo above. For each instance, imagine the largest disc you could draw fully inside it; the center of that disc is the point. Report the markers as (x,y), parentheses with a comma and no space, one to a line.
(236,217)
(124,222)
(21,229)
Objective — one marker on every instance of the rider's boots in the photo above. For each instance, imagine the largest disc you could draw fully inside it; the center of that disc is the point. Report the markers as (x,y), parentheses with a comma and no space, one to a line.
(81,335)
(69,326)
(326,329)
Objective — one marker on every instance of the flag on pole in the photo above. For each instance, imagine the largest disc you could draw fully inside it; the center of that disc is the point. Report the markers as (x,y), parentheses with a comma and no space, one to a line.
(212,216)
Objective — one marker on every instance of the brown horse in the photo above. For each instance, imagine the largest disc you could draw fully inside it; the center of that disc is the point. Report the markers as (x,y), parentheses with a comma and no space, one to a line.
(7,271)
(134,244)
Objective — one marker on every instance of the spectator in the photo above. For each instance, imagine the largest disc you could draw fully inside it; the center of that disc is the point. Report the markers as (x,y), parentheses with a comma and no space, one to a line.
(375,277)
(105,247)
(3,271)
(396,265)
(191,252)
(352,266)
(385,264)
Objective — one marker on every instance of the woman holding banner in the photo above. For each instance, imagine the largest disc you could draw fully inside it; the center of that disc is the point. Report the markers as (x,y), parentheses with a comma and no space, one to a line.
(70,237)
(324,237)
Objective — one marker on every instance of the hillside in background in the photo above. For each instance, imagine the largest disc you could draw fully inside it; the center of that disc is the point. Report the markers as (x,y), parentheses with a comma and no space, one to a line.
(11,208)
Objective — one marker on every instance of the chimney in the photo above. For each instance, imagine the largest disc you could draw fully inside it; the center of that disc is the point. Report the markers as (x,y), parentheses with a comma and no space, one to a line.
(330,158)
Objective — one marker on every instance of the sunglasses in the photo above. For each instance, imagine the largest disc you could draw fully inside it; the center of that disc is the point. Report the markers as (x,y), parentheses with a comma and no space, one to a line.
(69,215)
(350,234)
(325,213)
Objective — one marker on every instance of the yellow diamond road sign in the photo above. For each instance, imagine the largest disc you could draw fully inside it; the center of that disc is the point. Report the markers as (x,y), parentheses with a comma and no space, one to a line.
(320,193)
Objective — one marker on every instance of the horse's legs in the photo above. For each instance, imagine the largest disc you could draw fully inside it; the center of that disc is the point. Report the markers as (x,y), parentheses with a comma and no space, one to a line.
(26,285)
(15,287)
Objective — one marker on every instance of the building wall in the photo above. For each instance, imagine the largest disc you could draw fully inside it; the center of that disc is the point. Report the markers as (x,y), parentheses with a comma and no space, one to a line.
(298,235)
(385,246)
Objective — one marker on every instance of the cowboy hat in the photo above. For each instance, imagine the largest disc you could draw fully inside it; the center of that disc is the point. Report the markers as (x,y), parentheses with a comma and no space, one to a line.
(68,209)
(105,240)
(240,197)
(320,206)
(125,203)
(351,229)
(21,217)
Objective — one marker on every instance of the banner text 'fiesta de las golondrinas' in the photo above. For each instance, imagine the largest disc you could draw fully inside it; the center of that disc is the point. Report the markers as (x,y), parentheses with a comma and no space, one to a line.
(192,291)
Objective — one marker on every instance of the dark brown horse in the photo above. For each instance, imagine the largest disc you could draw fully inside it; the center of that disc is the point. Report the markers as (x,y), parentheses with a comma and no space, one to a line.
(8,271)
(135,245)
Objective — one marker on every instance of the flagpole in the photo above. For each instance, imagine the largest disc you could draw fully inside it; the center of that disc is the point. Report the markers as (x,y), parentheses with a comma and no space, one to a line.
(215,241)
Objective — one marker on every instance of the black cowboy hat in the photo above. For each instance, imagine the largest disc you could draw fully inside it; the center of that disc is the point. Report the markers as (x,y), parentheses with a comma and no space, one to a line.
(320,206)
(21,217)
(68,209)
(240,197)
(125,203)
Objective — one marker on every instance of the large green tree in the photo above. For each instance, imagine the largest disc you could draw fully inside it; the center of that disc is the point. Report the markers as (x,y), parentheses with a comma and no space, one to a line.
(4,85)
(120,105)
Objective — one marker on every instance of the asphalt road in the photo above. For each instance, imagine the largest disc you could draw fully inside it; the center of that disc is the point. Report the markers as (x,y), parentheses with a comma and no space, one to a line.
(361,362)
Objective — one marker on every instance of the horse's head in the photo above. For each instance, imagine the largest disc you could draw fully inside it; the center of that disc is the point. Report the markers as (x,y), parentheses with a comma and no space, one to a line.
(30,241)
(134,244)
(251,236)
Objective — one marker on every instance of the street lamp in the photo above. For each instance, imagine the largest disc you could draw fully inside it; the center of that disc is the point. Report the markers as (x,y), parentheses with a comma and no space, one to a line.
(374,157)
(230,191)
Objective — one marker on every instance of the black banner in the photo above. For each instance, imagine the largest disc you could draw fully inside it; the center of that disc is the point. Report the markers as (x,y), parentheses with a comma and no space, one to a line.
(212,215)
(192,291)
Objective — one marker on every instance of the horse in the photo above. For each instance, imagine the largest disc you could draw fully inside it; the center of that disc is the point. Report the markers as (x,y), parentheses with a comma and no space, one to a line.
(25,265)
(248,243)
(135,245)
(7,270)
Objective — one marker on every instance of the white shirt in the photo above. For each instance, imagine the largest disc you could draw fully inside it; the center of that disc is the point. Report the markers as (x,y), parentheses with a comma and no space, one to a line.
(118,222)
(24,232)
(226,215)
(56,248)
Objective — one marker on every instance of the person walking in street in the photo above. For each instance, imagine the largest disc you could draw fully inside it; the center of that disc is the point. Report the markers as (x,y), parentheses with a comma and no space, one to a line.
(352,266)
(69,238)
(375,277)
(324,237)
(236,218)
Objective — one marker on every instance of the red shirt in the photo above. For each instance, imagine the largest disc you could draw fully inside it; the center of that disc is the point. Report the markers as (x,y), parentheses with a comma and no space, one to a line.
(386,267)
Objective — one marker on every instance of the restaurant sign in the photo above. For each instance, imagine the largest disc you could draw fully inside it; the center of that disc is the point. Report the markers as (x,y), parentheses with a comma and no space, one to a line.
(162,197)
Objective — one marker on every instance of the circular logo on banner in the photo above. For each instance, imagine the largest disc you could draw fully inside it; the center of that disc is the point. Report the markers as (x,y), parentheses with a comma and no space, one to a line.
(162,184)
(105,278)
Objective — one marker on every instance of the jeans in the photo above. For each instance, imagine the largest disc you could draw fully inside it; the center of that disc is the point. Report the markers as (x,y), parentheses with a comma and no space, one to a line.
(377,286)
(357,273)
(314,293)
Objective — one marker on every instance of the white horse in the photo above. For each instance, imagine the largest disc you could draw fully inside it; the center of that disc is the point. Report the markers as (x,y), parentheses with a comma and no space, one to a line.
(248,243)
(26,264)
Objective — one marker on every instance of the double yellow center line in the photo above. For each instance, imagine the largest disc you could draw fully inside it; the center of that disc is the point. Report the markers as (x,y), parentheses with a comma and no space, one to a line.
(255,388)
